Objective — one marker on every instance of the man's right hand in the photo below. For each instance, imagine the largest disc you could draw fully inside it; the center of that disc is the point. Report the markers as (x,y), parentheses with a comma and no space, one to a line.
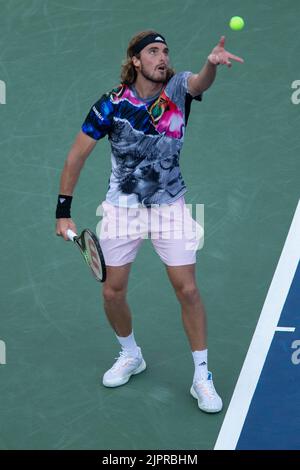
(62,225)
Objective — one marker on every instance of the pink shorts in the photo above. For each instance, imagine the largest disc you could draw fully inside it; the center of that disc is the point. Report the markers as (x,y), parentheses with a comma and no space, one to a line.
(175,235)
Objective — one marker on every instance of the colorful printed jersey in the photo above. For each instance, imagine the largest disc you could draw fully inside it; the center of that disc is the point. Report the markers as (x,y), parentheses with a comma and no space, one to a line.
(146,139)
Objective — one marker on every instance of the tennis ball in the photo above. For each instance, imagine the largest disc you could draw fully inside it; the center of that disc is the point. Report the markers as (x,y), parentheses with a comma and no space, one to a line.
(236,23)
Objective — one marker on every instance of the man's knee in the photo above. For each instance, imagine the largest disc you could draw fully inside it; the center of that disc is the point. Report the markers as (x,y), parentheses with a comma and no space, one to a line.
(113,293)
(187,293)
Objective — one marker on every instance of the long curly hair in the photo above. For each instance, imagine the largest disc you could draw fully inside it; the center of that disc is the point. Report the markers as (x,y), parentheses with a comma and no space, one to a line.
(128,71)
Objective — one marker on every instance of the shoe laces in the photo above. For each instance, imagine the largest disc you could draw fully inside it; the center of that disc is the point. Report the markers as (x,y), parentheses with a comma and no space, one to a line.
(206,386)
(123,356)
(123,353)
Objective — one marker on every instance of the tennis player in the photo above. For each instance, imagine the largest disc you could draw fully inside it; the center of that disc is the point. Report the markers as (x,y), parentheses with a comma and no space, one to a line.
(145,119)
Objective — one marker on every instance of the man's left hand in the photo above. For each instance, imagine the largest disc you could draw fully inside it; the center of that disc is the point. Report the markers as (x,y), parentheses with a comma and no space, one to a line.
(219,56)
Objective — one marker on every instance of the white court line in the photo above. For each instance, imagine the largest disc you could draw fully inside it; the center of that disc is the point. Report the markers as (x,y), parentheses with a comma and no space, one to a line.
(262,338)
(285,328)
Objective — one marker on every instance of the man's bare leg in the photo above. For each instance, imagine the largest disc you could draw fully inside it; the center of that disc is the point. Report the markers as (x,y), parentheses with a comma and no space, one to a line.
(114,295)
(183,280)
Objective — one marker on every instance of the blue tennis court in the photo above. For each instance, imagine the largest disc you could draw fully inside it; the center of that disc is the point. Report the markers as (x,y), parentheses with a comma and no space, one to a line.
(240,161)
(265,409)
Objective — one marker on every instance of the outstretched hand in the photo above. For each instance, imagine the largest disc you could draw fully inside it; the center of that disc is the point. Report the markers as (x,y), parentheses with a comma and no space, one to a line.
(219,56)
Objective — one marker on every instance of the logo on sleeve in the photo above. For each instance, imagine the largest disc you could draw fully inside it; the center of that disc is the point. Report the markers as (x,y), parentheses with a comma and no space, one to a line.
(97,113)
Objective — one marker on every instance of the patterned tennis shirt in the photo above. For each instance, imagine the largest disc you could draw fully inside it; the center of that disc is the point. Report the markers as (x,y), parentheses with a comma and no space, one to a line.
(146,137)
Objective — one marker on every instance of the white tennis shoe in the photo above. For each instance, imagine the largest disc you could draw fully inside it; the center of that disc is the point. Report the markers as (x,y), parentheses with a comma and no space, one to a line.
(204,391)
(125,366)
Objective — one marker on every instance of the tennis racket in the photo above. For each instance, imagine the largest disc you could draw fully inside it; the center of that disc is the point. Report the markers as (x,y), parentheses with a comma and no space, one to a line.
(90,249)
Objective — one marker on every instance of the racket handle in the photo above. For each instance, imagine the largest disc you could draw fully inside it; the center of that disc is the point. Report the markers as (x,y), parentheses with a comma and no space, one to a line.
(71,234)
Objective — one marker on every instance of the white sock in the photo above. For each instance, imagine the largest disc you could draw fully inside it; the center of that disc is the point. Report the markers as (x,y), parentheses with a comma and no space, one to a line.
(128,343)
(200,361)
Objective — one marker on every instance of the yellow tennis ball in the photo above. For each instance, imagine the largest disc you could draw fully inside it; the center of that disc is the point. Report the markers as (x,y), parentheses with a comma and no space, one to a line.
(236,23)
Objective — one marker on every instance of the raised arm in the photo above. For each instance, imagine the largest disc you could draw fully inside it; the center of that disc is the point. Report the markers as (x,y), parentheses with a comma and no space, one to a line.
(197,83)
